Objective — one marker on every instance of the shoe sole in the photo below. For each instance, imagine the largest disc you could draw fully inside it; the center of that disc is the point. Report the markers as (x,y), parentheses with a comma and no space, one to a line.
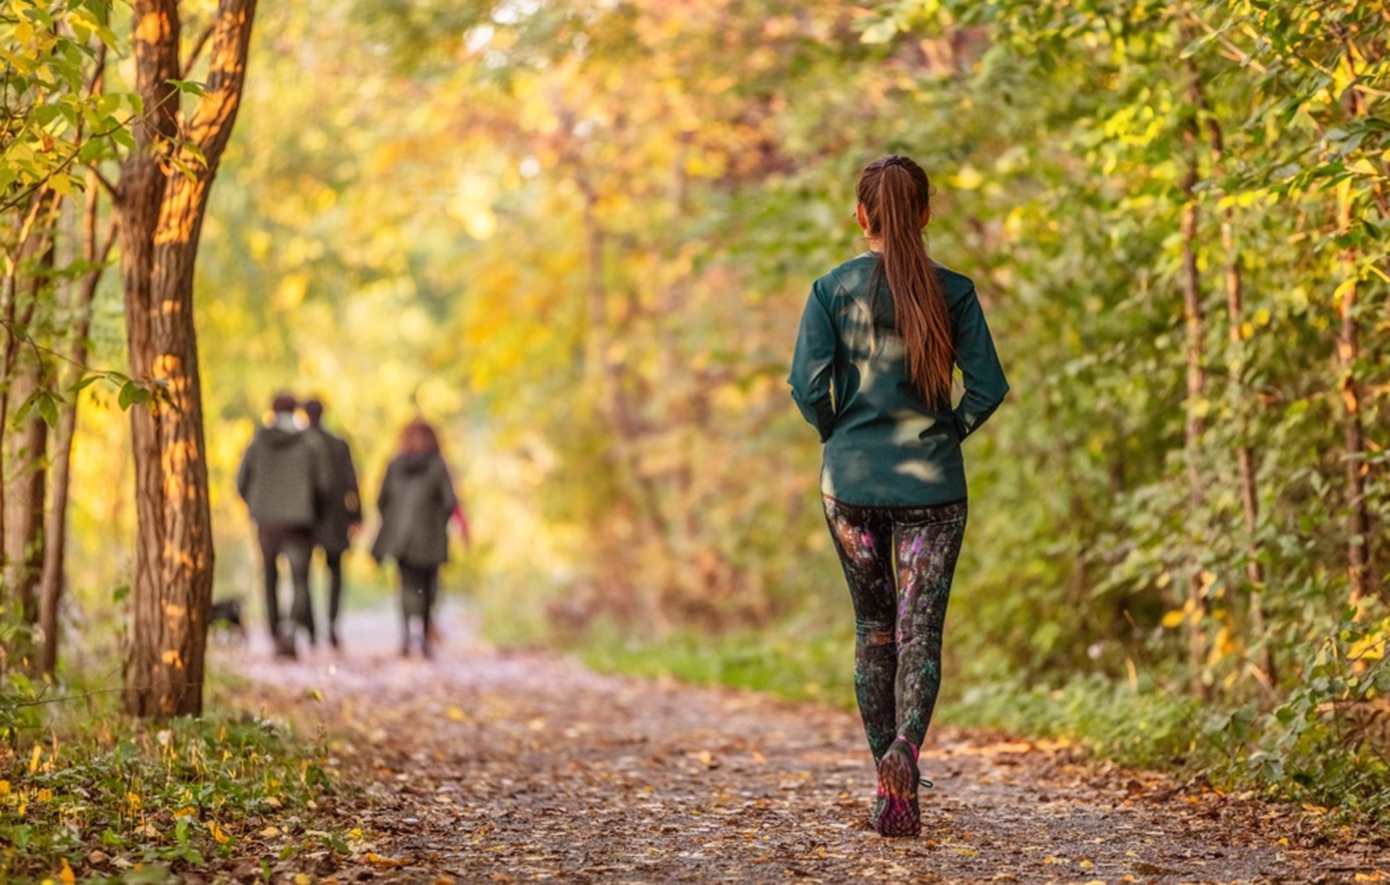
(897,785)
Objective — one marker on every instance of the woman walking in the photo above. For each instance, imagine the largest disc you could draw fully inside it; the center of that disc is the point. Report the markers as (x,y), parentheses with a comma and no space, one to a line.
(879,339)
(416,500)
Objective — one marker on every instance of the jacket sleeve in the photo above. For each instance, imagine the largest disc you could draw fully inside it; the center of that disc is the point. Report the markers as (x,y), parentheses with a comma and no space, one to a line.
(383,497)
(985,385)
(381,545)
(325,485)
(449,501)
(813,363)
(243,473)
(352,496)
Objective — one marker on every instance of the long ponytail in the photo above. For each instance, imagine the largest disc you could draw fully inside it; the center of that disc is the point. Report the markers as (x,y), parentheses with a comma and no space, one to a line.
(894,192)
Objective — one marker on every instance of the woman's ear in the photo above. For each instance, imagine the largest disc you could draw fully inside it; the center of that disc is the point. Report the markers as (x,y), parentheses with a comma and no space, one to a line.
(926,216)
(861,216)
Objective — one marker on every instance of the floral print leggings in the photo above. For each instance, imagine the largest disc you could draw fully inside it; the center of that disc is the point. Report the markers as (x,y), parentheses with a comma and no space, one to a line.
(899,562)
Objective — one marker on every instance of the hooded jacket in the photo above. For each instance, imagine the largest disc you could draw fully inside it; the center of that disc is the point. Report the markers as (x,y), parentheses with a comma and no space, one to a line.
(342,507)
(885,445)
(416,500)
(284,478)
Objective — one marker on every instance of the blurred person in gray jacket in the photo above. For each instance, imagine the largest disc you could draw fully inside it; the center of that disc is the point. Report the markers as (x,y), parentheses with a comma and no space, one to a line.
(284,479)
(342,510)
(416,500)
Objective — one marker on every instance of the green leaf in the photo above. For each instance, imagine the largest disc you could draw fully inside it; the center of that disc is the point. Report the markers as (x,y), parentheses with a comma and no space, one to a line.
(48,408)
(124,138)
(21,413)
(190,87)
(128,394)
(84,382)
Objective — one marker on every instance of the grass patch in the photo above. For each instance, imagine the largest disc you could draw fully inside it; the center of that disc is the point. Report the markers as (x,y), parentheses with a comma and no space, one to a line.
(788,660)
(1144,729)
(87,794)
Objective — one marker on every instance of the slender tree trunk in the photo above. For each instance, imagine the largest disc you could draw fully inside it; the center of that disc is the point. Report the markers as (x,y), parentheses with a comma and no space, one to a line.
(161,214)
(1239,392)
(1195,325)
(1359,551)
(25,448)
(1353,432)
(55,525)
(26,243)
(603,369)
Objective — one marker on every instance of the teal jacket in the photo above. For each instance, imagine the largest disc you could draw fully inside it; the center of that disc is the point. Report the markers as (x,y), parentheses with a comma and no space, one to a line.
(885,445)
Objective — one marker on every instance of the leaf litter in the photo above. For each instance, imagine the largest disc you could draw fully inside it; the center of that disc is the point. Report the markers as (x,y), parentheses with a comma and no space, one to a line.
(494,766)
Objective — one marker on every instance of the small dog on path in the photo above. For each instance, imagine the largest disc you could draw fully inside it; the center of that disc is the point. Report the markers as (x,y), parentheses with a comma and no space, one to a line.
(224,619)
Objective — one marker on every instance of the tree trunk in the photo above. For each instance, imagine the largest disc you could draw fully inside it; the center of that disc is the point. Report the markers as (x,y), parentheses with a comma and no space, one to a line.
(1239,393)
(24,448)
(1362,580)
(52,583)
(161,214)
(1195,324)
(30,238)
(1353,433)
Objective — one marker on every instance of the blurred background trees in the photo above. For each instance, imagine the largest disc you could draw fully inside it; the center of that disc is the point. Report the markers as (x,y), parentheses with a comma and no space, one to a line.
(579,235)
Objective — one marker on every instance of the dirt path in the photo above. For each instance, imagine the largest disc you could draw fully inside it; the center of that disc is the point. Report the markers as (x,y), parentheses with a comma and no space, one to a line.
(485,767)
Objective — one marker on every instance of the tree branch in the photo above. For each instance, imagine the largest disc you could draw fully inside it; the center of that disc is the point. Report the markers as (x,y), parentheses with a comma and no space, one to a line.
(197,50)
(211,125)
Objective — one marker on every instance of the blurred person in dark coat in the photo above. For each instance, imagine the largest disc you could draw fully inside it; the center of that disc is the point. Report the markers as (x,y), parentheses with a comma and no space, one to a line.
(341,513)
(416,500)
(284,478)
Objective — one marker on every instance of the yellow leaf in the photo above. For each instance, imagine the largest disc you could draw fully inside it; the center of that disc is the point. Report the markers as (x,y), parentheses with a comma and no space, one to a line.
(34,759)
(1371,647)
(290,294)
(967,179)
(66,873)
(133,800)
(457,715)
(301,879)
(373,857)
(217,833)
(185,812)
(1173,618)
(4,788)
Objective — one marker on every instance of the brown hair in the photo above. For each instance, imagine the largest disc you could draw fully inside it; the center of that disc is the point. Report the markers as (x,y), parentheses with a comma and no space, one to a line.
(894,192)
(418,438)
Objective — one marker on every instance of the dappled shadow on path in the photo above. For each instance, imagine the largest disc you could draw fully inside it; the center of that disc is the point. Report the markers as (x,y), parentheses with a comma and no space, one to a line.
(486,766)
